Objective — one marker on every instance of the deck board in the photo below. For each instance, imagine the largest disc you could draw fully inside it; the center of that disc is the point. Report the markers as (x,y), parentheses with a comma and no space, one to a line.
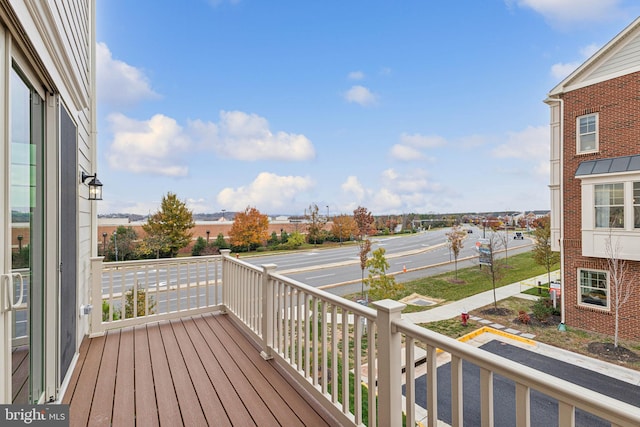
(123,405)
(146,408)
(190,371)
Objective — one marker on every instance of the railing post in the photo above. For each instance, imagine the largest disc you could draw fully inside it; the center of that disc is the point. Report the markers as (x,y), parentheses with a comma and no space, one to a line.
(225,279)
(267,312)
(96,296)
(389,364)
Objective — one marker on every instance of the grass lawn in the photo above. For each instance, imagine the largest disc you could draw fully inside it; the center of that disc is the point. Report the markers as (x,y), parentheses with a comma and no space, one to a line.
(472,280)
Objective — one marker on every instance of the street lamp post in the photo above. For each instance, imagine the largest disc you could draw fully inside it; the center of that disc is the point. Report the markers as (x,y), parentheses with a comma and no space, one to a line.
(208,236)
(104,243)
(115,244)
(223,211)
(20,243)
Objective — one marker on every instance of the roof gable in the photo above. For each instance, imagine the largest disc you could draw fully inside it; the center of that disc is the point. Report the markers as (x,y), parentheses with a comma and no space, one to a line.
(618,57)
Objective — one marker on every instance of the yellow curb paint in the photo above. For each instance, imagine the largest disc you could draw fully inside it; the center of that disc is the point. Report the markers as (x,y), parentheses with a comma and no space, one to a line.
(490,330)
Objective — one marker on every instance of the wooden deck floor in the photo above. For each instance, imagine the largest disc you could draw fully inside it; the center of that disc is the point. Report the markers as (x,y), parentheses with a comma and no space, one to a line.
(195,372)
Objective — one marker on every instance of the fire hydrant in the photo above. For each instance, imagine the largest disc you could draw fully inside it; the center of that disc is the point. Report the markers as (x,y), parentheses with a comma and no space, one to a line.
(464,317)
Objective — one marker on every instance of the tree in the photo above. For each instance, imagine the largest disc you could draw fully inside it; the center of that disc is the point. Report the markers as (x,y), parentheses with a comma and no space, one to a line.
(173,221)
(620,286)
(154,245)
(455,237)
(380,285)
(542,253)
(249,229)
(488,249)
(343,227)
(199,246)
(363,219)
(124,243)
(295,240)
(220,242)
(315,222)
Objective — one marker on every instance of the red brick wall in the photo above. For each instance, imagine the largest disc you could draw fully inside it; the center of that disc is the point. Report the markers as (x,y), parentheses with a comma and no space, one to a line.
(617,102)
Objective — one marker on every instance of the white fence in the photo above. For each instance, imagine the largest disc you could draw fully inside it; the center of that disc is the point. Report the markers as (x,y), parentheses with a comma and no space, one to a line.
(348,355)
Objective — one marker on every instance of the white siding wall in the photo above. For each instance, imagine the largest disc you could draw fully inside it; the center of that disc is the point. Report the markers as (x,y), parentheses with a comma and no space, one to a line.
(556,176)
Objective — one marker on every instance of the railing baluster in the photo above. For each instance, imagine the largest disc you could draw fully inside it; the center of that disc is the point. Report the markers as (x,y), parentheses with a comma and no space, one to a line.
(410,381)
(523,406)
(314,340)
(456,392)
(334,354)
(357,369)
(345,360)
(566,415)
(325,362)
(432,386)
(371,341)
(486,397)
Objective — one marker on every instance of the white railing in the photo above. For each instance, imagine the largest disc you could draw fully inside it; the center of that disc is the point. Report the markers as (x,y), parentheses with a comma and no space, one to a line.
(355,359)
(129,293)
(569,396)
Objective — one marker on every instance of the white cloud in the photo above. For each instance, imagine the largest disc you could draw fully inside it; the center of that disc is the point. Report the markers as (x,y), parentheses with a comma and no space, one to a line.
(562,12)
(268,192)
(198,205)
(411,146)
(153,146)
(405,153)
(531,145)
(244,136)
(361,95)
(422,141)
(356,75)
(562,70)
(397,192)
(118,82)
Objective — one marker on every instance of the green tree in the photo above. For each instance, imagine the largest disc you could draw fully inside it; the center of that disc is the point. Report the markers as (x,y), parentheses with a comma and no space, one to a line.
(220,242)
(249,229)
(364,220)
(380,285)
(174,221)
(199,246)
(295,240)
(542,253)
(124,243)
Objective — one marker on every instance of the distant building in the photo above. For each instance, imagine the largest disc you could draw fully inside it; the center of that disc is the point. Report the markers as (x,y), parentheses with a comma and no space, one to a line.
(595,182)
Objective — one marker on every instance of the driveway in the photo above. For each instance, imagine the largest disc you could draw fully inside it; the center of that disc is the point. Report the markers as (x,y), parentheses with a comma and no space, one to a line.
(544,410)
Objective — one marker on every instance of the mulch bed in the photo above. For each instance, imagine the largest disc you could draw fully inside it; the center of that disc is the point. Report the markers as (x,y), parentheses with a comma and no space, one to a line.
(607,350)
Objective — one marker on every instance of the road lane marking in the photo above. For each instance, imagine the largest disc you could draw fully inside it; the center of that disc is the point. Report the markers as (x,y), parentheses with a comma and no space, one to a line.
(318,277)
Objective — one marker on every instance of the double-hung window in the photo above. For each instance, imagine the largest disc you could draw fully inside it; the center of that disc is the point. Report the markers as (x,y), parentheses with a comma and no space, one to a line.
(609,205)
(636,205)
(587,131)
(594,288)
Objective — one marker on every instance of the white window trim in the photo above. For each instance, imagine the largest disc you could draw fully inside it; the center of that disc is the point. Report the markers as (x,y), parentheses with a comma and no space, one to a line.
(594,239)
(606,307)
(597,144)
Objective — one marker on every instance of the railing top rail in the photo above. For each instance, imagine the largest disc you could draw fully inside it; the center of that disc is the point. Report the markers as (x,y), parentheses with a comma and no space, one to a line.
(346,304)
(583,398)
(142,262)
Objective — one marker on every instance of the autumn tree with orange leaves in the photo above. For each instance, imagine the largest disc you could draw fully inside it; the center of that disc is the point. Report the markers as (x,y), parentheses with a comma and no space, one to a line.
(249,229)
(343,227)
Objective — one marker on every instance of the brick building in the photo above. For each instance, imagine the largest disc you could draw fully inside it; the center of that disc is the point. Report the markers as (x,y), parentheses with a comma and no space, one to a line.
(595,184)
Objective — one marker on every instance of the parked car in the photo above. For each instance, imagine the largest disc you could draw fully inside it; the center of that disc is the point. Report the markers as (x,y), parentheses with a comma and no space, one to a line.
(518,235)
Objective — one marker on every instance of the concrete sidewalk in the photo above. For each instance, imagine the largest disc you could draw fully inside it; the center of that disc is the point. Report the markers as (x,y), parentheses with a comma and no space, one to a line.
(455,308)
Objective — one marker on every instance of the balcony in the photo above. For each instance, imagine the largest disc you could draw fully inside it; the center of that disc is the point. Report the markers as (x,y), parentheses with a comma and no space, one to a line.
(215,338)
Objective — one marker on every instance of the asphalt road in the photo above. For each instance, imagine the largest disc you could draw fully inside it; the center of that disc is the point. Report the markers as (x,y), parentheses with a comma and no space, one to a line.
(337,270)
(544,409)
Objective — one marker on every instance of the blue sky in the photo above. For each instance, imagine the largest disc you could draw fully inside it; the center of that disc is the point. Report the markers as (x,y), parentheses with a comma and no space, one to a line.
(398,106)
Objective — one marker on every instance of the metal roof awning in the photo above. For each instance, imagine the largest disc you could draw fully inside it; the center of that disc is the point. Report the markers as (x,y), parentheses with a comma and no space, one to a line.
(612,165)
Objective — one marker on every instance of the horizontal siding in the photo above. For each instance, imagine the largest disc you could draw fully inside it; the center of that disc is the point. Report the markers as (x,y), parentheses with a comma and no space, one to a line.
(627,58)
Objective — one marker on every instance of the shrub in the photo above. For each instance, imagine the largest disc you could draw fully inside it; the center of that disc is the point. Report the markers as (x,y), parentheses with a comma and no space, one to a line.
(542,309)
(523,317)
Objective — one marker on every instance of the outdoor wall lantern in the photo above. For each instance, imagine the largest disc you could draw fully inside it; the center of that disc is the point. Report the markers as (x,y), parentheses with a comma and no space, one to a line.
(95,186)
